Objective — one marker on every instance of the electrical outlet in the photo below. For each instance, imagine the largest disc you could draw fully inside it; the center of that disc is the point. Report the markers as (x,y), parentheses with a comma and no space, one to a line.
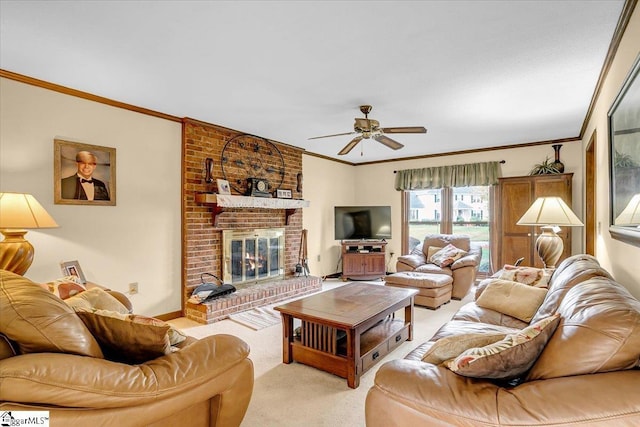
(318,258)
(133,288)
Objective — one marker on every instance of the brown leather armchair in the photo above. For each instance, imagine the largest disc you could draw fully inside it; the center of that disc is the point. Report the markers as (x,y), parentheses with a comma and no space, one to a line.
(463,271)
(49,361)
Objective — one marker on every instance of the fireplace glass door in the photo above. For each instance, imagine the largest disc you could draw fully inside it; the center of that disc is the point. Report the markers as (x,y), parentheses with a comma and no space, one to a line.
(253,255)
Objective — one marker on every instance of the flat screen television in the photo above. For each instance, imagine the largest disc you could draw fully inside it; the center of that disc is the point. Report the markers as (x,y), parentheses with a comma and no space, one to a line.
(362,222)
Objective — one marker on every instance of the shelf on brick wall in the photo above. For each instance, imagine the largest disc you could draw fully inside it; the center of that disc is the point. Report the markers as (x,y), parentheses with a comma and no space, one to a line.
(222,201)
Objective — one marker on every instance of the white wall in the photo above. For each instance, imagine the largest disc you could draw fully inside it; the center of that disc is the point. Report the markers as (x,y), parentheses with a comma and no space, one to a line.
(621,259)
(138,240)
(374,185)
(326,184)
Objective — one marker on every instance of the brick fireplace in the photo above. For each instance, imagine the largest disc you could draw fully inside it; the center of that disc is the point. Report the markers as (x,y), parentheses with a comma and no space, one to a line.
(204,224)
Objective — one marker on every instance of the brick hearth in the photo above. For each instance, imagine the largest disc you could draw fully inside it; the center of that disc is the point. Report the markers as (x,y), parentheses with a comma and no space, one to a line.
(255,295)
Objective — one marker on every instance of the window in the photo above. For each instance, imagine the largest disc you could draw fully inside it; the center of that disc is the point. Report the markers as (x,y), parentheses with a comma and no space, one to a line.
(464,210)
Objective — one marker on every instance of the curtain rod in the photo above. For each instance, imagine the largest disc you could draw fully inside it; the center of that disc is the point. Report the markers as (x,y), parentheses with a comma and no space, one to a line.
(501,161)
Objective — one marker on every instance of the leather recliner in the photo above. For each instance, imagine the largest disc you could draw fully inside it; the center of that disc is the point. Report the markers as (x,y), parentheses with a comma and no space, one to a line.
(463,271)
(207,382)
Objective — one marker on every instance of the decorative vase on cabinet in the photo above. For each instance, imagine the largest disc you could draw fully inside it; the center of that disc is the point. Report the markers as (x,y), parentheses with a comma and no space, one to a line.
(557,163)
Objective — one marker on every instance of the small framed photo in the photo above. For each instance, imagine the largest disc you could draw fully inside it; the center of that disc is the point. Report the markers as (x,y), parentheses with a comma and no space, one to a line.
(72,268)
(283,194)
(83,174)
(223,186)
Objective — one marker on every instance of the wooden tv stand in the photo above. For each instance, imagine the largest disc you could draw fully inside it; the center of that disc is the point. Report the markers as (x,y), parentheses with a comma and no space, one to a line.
(363,259)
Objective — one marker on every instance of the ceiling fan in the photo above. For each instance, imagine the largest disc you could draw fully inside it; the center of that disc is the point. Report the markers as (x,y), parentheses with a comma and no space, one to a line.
(369,128)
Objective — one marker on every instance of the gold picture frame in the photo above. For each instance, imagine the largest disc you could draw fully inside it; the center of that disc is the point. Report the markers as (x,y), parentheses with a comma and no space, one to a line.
(75,161)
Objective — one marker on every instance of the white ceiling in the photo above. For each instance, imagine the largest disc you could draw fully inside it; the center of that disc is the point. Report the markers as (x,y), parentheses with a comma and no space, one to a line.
(475,73)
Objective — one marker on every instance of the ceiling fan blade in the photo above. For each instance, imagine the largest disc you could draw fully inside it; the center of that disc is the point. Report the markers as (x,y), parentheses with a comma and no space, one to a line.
(408,129)
(388,142)
(336,134)
(350,145)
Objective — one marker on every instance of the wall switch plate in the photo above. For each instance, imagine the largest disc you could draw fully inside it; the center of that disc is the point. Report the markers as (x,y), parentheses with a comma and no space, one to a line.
(133,288)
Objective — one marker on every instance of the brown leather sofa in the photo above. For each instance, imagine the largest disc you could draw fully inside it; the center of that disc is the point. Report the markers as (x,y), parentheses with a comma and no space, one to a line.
(50,361)
(463,271)
(587,374)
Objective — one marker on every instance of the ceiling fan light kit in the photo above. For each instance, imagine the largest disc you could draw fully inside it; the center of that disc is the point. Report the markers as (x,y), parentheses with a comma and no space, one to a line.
(370,129)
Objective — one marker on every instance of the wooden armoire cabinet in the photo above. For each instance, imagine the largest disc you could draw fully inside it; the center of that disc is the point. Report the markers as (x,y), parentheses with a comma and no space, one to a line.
(514,196)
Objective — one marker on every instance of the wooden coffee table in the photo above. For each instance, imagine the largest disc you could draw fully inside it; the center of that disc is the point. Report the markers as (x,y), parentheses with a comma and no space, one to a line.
(347,330)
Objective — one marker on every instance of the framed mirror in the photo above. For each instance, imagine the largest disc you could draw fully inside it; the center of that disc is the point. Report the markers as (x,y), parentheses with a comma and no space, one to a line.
(624,157)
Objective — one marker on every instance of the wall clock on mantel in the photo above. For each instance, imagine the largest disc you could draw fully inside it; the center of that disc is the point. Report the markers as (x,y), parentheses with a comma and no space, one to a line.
(248,156)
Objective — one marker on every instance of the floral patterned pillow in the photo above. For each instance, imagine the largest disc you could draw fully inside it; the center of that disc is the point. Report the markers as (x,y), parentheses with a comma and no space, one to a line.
(508,358)
(447,256)
(537,277)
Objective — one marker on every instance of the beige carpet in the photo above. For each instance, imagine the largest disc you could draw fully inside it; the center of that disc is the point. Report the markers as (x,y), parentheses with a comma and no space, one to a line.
(297,395)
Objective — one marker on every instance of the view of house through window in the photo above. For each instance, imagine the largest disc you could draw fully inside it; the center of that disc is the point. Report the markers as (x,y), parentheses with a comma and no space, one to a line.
(462,210)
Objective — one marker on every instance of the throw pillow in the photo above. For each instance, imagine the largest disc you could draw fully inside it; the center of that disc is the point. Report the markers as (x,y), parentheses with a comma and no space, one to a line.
(508,358)
(40,322)
(96,298)
(66,287)
(512,298)
(175,335)
(446,256)
(450,347)
(127,338)
(537,277)
(431,251)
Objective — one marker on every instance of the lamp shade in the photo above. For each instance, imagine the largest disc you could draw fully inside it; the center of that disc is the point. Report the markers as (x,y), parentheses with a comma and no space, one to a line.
(549,211)
(631,213)
(19,211)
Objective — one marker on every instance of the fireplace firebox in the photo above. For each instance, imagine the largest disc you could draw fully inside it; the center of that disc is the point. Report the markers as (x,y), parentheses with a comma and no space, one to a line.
(251,256)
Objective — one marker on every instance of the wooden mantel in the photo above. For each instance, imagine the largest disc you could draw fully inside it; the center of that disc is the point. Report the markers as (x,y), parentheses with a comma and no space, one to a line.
(221,201)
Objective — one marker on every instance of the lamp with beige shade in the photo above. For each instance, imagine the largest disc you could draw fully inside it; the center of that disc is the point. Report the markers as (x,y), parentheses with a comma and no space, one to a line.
(19,212)
(549,213)
(630,215)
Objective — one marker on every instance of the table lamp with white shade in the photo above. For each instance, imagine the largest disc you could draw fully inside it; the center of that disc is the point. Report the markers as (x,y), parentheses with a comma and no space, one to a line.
(549,213)
(19,212)
(630,215)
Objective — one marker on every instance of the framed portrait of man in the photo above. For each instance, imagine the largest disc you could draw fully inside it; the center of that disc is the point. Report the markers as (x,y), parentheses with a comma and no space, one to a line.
(84,174)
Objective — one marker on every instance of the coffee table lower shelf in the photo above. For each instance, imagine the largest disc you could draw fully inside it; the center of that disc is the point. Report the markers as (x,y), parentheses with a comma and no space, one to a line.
(325,347)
